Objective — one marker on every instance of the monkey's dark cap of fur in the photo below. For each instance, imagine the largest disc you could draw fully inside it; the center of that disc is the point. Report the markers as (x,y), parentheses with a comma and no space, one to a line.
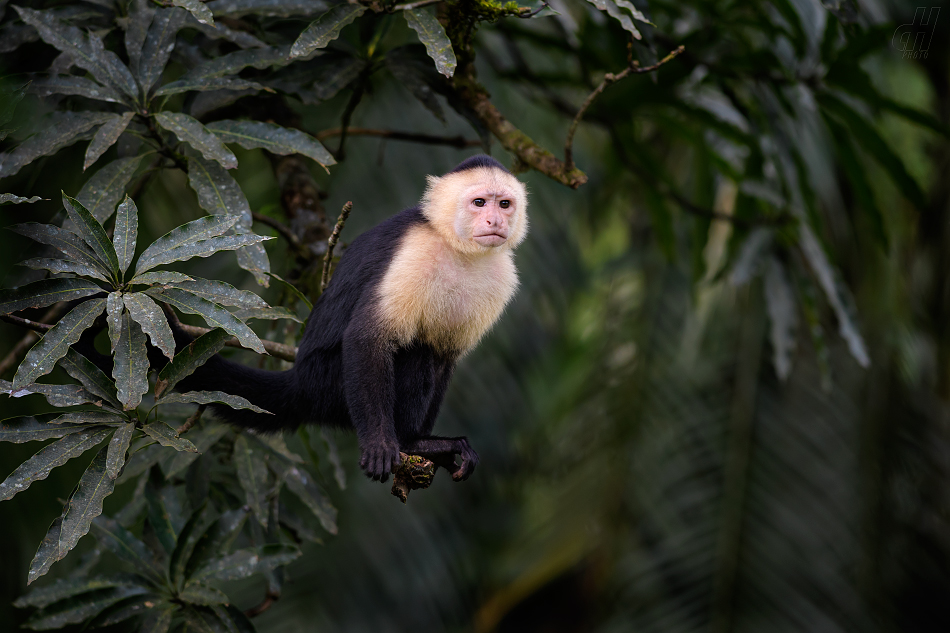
(479,160)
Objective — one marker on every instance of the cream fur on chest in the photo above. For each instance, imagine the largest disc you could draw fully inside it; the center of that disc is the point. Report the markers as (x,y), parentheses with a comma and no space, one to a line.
(434,294)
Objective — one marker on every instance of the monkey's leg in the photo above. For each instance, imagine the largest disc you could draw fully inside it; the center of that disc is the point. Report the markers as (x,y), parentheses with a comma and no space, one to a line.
(442,451)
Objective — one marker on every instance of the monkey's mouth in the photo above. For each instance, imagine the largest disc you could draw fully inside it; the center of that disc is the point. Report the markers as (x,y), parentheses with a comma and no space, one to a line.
(491,239)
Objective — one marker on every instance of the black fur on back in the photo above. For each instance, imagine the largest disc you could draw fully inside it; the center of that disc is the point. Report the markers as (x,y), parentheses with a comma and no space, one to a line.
(479,160)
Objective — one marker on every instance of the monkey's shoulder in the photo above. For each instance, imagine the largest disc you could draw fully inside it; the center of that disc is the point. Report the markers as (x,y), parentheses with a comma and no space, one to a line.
(432,293)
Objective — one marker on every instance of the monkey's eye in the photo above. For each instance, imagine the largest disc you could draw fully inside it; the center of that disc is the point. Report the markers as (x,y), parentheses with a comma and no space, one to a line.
(504,204)
(479,202)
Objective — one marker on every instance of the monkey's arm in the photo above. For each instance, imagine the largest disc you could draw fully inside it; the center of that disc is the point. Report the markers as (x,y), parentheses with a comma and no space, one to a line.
(369,388)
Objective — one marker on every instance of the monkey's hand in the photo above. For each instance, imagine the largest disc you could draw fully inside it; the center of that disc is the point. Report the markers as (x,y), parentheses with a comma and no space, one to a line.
(461,447)
(380,459)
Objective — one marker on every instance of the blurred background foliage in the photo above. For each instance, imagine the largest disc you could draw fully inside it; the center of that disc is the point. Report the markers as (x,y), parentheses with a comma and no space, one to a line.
(721,399)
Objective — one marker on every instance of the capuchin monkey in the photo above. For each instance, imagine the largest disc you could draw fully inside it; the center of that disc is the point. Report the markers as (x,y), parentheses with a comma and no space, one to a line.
(408,299)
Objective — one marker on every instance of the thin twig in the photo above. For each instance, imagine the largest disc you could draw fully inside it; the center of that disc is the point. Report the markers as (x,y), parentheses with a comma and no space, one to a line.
(193,420)
(268,602)
(331,244)
(427,139)
(30,325)
(278,350)
(280,227)
(610,78)
(23,346)
(531,14)
(414,5)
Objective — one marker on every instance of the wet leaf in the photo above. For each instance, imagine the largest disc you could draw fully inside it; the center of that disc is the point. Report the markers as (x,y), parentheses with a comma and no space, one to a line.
(612,9)
(86,49)
(127,547)
(92,233)
(433,36)
(160,277)
(140,17)
(221,32)
(158,47)
(190,535)
(140,461)
(221,293)
(79,608)
(160,519)
(159,620)
(47,553)
(204,248)
(86,503)
(325,29)
(68,243)
(106,137)
(29,429)
(245,562)
(231,64)
(254,259)
(66,588)
(189,359)
(126,233)
(268,313)
(45,292)
(302,484)
(251,467)
(41,359)
(207,397)
(218,192)
(9,198)
(217,539)
(130,369)
(74,85)
(274,138)
(125,609)
(213,314)
(196,8)
(39,466)
(200,593)
(166,436)
(203,437)
(198,230)
(64,128)
(56,395)
(277,8)
(92,378)
(102,192)
(58,266)
(150,317)
(89,418)
(115,307)
(207,84)
(190,131)
(118,448)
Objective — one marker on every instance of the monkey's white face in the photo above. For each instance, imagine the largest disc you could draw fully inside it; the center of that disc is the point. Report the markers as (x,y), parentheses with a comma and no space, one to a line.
(486,216)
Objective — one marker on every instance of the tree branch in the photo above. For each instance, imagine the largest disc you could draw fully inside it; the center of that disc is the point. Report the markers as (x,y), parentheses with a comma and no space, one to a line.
(23,346)
(278,350)
(280,227)
(427,139)
(331,244)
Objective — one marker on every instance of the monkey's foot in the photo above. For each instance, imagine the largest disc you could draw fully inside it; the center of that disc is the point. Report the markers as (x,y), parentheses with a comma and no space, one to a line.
(378,461)
(414,473)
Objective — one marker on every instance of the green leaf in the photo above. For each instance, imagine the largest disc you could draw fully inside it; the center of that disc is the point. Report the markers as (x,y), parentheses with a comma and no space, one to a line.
(140,16)
(231,64)
(218,192)
(66,588)
(213,314)
(10,198)
(190,131)
(158,47)
(29,429)
(198,230)
(74,85)
(115,308)
(141,460)
(166,436)
(204,248)
(207,84)
(106,137)
(126,232)
(103,191)
(251,468)
(127,608)
(614,11)
(190,535)
(206,397)
(130,369)
(79,608)
(217,539)
(325,29)
(433,36)
(92,233)
(159,619)
(245,562)
(278,8)
(253,259)
(118,448)
(198,9)
(123,544)
(200,593)
(160,519)
(160,277)
(56,395)
(92,378)
(41,359)
(86,503)
(58,266)
(89,418)
(150,316)
(302,484)
(268,313)
(85,49)
(203,437)
(221,293)
(193,356)
(64,128)
(49,457)
(65,241)
(293,290)
(47,553)
(45,292)
(272,137)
